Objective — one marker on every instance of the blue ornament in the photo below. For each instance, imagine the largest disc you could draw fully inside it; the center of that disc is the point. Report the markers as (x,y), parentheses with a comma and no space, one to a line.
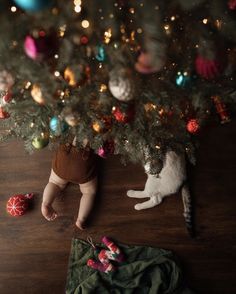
(33,5)
(57,126)
(182,79)
(101,55)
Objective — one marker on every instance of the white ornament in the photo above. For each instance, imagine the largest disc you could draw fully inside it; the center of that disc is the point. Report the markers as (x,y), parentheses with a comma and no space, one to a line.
(6,80)
(121,85)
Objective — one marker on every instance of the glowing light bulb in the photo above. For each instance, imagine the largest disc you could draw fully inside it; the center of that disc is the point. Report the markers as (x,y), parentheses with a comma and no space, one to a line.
(85,23)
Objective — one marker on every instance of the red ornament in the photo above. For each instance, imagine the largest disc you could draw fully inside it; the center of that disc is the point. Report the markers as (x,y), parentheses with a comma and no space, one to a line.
(221,109)
(3,114)
(232,4)
(17,205)
(7,97)
(124,117)
(209,69)
(193,126)
(84,40)
(144,64)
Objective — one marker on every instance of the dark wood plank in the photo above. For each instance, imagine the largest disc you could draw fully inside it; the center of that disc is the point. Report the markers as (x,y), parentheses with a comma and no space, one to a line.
(34,252)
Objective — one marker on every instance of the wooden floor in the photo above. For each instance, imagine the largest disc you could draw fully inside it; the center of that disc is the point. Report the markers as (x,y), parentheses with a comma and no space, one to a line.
(34,253)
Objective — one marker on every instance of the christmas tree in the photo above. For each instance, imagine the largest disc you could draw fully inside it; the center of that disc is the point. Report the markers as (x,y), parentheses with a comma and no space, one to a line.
(135,78)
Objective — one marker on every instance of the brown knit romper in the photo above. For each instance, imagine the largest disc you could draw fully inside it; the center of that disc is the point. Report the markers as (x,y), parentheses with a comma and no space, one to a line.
(73,164)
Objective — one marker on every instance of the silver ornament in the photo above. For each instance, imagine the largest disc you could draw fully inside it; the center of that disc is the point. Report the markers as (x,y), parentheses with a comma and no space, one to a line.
(6,80)
(121,84)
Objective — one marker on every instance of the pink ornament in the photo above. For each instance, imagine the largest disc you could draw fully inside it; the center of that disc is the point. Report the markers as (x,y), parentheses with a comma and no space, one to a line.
(232,4)
(18,204)
(102,152)
(44,46)
(193,126)
(209,69)
(107,149)
(145,65)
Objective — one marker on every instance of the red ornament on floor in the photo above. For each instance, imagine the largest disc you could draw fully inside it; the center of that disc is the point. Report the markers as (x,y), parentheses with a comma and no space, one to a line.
(17,205)
(193,126)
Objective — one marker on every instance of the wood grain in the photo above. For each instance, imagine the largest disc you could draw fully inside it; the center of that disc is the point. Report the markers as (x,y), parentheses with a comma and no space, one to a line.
(34,253)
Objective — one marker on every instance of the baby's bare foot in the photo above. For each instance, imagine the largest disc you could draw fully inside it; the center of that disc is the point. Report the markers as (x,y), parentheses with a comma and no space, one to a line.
(48,212)
(80,224)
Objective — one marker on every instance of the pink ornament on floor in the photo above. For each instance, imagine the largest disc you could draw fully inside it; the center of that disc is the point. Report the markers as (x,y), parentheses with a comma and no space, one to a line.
(145,65)
(17,205)
(232,4)
(209,69)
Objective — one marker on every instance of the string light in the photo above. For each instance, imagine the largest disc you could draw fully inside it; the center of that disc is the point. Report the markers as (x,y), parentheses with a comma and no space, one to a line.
(56,73)
(27,85)
(103,88)
(107,36)
(77,8)
(13,9)
(131,10)
(62,30)
(205,20)
(218,23)
(85,23)
(172,18)
(139,31)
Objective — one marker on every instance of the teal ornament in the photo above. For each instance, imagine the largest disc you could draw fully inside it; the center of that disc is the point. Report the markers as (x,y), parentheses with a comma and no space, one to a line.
(57,126)
(33,5)
(101,54)
(182,79)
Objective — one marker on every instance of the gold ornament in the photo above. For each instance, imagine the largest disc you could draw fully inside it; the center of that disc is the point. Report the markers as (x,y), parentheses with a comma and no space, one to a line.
(69,76)
(103,125)
(97,127)
(41,141)
(37,94)
(71,120)
(71,116)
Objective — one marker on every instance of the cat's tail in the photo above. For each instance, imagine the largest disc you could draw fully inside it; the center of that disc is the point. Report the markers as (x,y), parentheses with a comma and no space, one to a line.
(188,211)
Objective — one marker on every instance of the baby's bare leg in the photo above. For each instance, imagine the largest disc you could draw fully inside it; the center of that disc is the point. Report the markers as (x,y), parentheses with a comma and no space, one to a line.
(88,191)
(51,191)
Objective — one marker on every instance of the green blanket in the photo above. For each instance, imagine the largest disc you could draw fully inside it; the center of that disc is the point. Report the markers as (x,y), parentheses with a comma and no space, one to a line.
(146,270)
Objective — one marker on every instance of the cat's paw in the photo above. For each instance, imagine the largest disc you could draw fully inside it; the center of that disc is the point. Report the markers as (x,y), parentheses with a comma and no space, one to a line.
(131,193)
(138,206)
(136,194)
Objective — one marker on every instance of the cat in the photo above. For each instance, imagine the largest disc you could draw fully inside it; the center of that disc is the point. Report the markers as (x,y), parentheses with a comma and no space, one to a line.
(170,180)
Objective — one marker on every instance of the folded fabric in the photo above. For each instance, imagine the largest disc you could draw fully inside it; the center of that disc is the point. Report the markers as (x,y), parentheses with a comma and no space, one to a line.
(145,270)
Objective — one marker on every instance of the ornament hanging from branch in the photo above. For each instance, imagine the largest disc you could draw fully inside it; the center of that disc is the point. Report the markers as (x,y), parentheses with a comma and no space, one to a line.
(6,80)
(106,149)
(193,126)
(145,64)
(124,116)
(33,5)
(41,45)
(221,109)
(41,141)
(122,84)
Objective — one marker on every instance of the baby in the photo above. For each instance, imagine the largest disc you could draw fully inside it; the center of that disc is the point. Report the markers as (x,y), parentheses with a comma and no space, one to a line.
(75,165)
